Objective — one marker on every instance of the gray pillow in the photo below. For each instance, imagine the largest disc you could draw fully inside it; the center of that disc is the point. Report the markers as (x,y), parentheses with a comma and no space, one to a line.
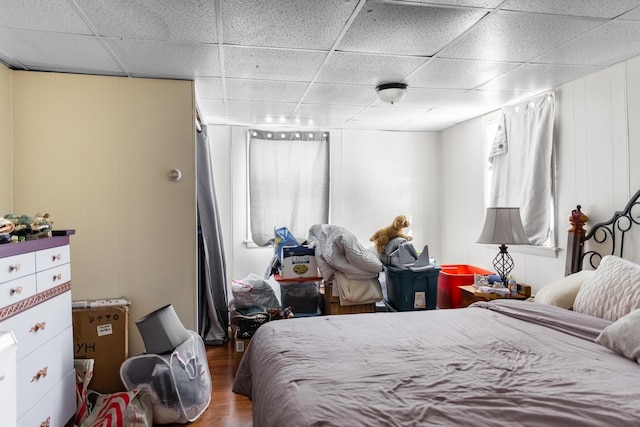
(623,336)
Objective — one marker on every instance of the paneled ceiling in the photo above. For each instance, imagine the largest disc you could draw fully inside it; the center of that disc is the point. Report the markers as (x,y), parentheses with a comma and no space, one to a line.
(316,63)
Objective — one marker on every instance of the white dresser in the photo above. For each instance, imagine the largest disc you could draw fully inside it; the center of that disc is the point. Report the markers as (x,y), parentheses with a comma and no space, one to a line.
(35,305)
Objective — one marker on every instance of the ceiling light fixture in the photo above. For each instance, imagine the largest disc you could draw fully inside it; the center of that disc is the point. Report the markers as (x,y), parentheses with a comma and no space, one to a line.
(391,92)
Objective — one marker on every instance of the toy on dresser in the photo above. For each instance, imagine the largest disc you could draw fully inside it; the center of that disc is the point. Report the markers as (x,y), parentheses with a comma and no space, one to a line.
(386,234)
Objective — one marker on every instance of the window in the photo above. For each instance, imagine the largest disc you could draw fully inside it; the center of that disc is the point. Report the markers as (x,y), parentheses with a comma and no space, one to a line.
(288,182)
(521,165)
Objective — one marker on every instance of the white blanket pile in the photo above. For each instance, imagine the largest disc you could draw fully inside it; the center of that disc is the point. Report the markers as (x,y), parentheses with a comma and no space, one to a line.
(338,249)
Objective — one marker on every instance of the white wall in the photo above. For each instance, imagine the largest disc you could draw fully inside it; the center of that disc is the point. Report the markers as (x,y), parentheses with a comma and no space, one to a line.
(95,153)
(374,177)
(597,142)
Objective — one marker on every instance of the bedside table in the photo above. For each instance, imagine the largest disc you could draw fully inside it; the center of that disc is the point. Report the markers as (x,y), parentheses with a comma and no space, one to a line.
(471,295)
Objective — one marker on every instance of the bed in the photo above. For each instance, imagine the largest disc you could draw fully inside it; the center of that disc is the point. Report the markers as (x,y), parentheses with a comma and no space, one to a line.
(495,363)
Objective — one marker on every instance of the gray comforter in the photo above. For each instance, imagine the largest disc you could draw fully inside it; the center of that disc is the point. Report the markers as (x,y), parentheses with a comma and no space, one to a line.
(503,363)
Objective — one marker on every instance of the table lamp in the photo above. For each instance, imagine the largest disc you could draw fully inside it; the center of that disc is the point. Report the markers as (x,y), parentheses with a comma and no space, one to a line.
(503,226)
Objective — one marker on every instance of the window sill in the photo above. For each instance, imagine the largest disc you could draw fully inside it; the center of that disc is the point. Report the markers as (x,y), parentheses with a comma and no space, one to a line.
(543,251)
(250,244)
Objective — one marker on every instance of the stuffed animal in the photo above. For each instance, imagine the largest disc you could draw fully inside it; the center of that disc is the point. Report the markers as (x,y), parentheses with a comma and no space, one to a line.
(384,235)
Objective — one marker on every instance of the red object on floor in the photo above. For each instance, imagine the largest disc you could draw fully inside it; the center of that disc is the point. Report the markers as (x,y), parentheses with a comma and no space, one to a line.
(454,275)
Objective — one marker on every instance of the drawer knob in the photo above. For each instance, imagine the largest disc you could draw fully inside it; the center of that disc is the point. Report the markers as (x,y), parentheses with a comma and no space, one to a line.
(40,374)
(14,267)
(16,290)
(57,257)
(46,423)
(37,327)
(57,277)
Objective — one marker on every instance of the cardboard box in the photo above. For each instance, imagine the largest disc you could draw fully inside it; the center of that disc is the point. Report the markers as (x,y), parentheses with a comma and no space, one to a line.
(240,346)
(101,333)
(298,261)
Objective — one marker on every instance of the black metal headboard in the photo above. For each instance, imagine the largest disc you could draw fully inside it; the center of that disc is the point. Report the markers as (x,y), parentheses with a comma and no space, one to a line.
(605,238)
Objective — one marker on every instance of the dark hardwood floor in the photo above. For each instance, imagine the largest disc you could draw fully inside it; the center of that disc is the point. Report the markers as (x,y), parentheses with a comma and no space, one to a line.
(226,409)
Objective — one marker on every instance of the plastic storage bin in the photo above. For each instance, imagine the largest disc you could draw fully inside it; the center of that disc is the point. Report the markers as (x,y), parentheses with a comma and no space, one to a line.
(301,294)
(452,276)
(179,382)
(412,290)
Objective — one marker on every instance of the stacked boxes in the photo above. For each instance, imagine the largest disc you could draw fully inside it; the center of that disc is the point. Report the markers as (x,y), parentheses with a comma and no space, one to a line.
(412,290)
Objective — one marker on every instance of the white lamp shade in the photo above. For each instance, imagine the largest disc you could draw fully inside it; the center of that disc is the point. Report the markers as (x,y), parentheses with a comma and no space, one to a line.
(503,226)
(391,92)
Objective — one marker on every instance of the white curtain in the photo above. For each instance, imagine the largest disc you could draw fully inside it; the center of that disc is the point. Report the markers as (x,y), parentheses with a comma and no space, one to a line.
(521,157)
(288,182)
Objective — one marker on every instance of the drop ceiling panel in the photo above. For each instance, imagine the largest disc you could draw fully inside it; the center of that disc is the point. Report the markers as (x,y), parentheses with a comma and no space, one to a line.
(209,87)
(487,100)
(591,8)
(159,20)
(316,63)
(213,107)
(406,30)
(354,68)
(260,109)
(603,46)
(58,52)
(490,4)
(272,64)
(390,114)
(457,73)
(518,37)
(424,98)
(166,60)
(333,112)
(324,93)
(259,90)
(50,16)
(532,77)
(308,24)
(633,15)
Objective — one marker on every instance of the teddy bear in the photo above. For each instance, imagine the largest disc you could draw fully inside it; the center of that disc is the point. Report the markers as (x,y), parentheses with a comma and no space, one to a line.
(386,234)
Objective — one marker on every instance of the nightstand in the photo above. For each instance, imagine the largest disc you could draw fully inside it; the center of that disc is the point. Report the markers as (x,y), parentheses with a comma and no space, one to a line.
(471,295)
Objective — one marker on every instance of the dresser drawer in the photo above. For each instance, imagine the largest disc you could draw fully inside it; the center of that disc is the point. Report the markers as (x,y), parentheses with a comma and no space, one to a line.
(36,326)
(8,399)
(52,277)
(57,407)
(17,290)
(14,267)
(41,370)
(53,257)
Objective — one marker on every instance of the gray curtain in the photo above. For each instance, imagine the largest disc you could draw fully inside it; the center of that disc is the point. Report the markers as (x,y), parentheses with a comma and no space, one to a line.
(213,322)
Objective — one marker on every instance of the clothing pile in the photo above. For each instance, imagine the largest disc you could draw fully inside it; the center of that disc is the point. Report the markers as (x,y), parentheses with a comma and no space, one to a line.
(254,303)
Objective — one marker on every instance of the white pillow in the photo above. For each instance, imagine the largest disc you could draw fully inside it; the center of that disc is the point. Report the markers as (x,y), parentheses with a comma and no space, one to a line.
(623,336)
(612,292)
(562,292)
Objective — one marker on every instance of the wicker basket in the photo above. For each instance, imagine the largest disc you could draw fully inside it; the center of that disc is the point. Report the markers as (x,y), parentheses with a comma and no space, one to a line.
(332,304)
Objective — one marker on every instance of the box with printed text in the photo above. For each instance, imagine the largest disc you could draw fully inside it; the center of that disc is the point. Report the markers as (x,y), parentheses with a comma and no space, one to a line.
(101,333)
(298,261)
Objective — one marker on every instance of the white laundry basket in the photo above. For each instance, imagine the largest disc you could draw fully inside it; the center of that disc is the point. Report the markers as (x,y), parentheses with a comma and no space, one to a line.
(179,382)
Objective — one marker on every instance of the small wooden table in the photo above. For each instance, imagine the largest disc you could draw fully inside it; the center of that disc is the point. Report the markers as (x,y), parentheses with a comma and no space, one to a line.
(471,295)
